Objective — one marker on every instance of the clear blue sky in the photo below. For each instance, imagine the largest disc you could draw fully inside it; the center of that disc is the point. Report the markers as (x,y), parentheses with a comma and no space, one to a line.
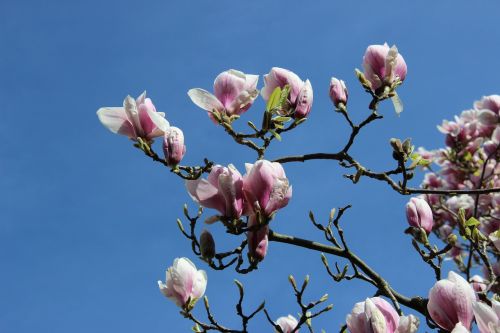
(87,224)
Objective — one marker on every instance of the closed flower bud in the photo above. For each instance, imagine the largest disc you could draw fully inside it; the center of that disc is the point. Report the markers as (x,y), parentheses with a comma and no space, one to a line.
(184,284)
(419,214)
(287,324)
(383,65)
(258,239)
(338,92)
(450,302)
(207,245)
(173,146)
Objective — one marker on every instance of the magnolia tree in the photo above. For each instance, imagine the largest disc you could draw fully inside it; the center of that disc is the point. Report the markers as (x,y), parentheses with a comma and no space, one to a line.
(458,201)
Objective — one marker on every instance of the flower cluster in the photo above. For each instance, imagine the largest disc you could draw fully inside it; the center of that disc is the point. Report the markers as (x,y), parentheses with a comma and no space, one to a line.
(262,191)
(469,161)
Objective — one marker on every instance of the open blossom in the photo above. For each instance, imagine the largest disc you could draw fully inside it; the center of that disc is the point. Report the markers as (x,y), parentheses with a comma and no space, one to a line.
(301,93)
(338,92)
(487,317)
(450,302)
(222,190)
(173,146)
(266,187)
(234,93)
(374,315)
(136,119)
(287,324)
(491,103)
(184,284)
(383,65)
(419,214)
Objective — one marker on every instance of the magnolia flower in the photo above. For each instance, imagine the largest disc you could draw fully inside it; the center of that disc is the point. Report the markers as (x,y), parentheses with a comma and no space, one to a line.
(234,93)
(287,324)
(136,119)
(491,103)
(383,65)
(173,146)
(266,187)
(419,214)
(301,93)
(374,315)
(222,190)
(450,302)
(338,92)
(487,318)
(184,284)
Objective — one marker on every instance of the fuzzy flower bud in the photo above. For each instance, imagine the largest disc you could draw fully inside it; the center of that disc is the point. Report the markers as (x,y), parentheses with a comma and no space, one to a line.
(207,245)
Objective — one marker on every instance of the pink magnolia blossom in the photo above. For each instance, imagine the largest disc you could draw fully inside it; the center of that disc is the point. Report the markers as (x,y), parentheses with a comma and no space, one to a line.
(234,93)
(173,146)
(287,324)
(222,190)
(450,302)
(487,318)
(136,119)
(338,92)
(258,240)
(184,284)
(374,315)
(266,187)
(491,103)
(383,65)
(419,214)
(301,93)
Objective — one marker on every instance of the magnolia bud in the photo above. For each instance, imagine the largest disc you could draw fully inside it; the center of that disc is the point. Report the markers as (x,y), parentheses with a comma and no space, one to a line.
(338,92)
(173,146)
(419,214)
(207,245)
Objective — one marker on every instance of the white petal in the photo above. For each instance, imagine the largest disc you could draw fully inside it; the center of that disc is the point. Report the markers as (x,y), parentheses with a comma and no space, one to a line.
(205,100)
(115,119)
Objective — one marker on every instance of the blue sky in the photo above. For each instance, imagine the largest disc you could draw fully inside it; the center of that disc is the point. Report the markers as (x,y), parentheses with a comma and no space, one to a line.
(87,224)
